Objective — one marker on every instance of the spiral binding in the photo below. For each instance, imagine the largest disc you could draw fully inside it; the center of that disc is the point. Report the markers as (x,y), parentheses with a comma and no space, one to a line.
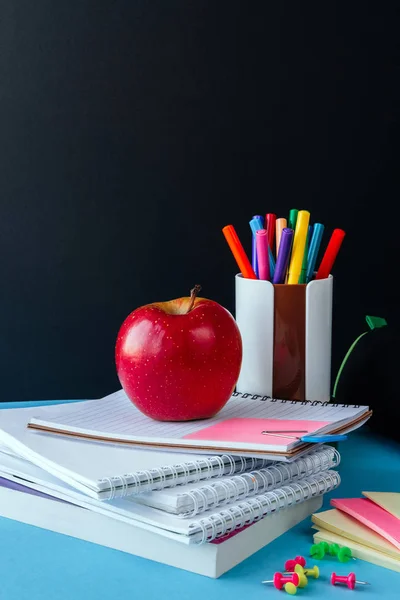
(250,484)
(190,472)
(179,474)
(254,509)
(246,395)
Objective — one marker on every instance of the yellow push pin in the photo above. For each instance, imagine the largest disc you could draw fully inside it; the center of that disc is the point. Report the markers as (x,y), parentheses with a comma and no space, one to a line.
(290,588)
(314,572)
(303,581)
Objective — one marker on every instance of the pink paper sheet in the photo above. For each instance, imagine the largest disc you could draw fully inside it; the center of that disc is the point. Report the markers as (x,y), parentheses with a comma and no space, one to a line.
(248,431)
(371,515)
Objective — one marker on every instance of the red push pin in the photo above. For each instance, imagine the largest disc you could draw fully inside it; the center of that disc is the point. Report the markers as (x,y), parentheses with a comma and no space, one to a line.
(298,560)
(349,580)
(290,583)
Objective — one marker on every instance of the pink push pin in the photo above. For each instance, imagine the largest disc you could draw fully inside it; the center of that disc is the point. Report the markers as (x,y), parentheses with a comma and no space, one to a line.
(298,560)
(280,580)
(349,580)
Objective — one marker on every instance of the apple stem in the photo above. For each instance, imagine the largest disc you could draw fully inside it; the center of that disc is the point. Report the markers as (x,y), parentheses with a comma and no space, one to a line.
(193,295)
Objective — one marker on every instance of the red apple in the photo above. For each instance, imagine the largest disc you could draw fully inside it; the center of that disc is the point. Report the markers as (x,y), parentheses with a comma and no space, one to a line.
(179,360)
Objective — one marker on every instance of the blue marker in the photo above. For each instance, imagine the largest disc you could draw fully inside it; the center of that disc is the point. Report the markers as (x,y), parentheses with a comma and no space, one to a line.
(254,248)
(256,224)
(318,231)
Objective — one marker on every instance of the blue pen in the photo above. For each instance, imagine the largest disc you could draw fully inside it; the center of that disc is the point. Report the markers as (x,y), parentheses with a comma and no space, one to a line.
(256,224)
(318,231)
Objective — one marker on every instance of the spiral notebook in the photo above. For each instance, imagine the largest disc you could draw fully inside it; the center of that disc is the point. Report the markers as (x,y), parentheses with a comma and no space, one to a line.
(105,471)
(190,499)
(237,428)
(197,529)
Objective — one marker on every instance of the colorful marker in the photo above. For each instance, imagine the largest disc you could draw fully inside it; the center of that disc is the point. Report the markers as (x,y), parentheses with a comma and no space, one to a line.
(238,252)
(257,225)
(270,220)
(331,253)
(279,227)
(283,255)
(254,261)
(292,218)
(303,274)
(262,255)
(318,232)
(299,243)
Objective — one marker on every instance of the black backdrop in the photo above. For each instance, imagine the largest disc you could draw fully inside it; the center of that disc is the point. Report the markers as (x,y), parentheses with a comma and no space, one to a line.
(133,131)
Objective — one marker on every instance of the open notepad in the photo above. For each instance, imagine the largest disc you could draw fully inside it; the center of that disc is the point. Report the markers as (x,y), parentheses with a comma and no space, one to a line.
(236,429)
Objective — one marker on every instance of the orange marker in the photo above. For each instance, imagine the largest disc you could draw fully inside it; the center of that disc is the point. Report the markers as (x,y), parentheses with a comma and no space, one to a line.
(238,252)
(280,224)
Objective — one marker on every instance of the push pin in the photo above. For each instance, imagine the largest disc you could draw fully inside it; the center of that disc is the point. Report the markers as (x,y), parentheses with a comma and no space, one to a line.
(333,549)
(314,572)
(289,583)
(343,553)
(318,551)
(303,581)
(349,580)
(290,564)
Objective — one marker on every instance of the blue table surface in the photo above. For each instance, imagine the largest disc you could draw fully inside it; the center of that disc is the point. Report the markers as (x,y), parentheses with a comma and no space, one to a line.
(37,564)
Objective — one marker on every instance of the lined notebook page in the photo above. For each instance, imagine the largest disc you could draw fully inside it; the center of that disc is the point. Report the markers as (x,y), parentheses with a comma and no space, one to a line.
(115,417)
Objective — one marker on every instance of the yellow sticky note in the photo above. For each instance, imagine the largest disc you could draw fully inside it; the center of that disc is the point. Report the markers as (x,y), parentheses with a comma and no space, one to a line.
(389,501)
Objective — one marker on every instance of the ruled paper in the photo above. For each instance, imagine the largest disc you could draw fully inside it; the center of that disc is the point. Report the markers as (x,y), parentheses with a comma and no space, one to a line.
(115,415)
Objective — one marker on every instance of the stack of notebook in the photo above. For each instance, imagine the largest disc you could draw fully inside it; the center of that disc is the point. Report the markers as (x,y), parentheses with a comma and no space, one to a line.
(369,526)
(201,496)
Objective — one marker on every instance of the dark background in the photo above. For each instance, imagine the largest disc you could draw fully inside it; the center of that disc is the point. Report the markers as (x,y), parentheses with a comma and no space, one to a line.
(133,131)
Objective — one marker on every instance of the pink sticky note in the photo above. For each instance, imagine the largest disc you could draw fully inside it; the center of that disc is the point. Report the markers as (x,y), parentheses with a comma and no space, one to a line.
(248,431)
(371,515)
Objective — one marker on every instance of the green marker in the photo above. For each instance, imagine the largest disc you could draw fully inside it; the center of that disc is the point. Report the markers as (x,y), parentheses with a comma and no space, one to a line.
(293,218)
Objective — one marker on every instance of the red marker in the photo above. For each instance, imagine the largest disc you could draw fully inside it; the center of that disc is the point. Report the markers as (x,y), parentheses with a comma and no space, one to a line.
(270,220)
(330,254)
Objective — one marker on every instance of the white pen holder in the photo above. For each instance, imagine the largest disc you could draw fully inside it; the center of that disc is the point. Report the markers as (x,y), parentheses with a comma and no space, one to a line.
(287,338)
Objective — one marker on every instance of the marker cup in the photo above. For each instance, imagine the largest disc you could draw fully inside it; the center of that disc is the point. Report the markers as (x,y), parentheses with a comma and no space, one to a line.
(287,338)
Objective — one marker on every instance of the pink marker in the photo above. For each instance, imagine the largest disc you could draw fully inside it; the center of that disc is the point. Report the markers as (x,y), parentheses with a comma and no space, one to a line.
(262,255)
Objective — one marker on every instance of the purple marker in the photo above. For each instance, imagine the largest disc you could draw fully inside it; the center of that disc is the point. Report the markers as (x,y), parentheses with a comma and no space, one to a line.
(282,260)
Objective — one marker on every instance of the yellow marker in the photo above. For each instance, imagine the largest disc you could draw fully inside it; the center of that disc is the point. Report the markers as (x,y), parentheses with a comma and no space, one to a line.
(279,225)
(299,244)
(303,581)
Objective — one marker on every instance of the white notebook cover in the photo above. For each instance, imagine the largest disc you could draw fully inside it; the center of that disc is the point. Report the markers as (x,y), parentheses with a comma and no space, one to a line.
(210,560)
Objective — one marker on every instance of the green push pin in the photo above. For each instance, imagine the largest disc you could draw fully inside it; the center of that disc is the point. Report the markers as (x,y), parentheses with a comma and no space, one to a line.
(318,551)
(342,553)
(334,549)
